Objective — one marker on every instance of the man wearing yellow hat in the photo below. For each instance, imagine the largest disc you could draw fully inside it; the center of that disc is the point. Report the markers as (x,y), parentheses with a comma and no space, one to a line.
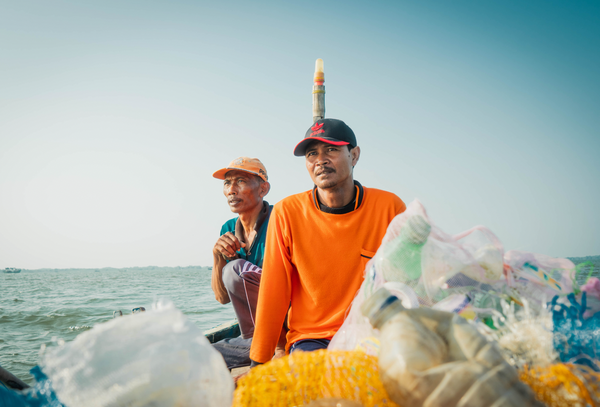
(239,251)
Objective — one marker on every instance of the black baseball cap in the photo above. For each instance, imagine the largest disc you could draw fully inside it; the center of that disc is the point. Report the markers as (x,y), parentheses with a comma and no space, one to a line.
(330,131)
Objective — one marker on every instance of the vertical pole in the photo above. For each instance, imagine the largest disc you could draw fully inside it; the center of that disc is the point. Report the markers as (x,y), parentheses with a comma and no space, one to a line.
(319,92)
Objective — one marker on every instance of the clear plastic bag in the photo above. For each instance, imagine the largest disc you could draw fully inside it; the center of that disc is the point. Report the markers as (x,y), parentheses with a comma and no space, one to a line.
(417,260)
(155,358)
(424,266)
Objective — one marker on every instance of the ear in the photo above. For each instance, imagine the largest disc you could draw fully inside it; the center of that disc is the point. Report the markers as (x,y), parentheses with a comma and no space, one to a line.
(355,153)
(265,187)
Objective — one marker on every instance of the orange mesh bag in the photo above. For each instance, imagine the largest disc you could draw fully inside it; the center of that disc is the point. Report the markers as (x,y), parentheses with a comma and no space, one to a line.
(564,385)
(298,379)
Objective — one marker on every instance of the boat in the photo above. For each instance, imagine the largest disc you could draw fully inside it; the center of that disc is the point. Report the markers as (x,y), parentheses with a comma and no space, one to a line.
(11,381)
(12,270)
(229,329)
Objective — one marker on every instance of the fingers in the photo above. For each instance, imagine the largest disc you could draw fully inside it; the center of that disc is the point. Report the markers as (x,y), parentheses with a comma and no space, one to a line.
(228,244)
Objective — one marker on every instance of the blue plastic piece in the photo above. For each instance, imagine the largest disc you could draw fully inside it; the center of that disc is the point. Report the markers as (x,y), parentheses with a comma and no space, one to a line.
(576,340)
(40,395)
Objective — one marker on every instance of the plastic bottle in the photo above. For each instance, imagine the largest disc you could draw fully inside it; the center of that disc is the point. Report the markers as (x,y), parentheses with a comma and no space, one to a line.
(401,257)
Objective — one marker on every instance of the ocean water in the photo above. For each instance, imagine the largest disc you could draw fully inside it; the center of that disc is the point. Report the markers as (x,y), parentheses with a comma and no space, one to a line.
(42,307)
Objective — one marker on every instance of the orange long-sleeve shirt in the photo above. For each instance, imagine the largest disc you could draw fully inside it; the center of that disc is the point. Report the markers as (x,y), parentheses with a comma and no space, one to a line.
(315,262)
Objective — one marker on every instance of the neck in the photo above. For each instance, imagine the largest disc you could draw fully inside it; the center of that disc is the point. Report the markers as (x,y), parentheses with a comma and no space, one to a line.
(248,219)
(338,196)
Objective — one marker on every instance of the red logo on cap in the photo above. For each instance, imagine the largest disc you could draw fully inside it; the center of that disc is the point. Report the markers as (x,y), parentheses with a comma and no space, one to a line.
(317,128)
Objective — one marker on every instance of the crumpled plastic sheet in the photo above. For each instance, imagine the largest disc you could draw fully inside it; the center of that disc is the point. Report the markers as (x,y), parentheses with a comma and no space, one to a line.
(156,358)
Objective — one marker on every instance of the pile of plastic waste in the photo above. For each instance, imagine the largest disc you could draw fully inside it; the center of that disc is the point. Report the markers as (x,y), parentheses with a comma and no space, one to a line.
(156,358)
(454,321)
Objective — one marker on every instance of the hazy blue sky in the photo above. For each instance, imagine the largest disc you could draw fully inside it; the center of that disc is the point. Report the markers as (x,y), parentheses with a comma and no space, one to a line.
(113,116)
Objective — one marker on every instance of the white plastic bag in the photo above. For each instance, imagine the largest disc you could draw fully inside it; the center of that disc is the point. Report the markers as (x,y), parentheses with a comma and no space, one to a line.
(156,358)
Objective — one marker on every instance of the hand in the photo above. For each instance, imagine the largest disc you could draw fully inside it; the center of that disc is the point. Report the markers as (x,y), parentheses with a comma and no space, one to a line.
(238,377)
(228,245)
(279,353)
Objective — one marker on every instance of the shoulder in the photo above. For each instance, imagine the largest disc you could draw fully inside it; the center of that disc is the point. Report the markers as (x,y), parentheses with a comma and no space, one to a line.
(229,226)
(380,198)
(293,202)
(292,209)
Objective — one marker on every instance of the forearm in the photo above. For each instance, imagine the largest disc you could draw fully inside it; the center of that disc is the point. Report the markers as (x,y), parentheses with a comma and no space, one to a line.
(216,283)
(274,295)
(272,307)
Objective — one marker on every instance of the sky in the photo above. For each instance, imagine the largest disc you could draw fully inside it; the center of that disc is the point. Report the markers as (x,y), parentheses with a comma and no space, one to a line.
(114,115)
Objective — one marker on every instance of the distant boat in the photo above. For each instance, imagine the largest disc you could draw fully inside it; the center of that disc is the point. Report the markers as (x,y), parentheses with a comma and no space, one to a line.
(12,270)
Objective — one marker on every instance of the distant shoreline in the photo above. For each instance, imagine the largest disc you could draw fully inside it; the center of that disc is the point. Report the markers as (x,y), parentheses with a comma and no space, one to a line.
(123,269)
(595,260)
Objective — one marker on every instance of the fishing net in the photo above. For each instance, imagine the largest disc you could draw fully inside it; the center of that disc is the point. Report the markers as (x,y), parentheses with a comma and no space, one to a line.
(564,385)
(303,377)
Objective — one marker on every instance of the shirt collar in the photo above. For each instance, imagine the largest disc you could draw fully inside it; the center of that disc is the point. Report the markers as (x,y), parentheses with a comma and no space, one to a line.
(262,216)
(352,206)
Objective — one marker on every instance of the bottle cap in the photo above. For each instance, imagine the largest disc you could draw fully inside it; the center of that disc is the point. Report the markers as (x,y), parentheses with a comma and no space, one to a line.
(374,306)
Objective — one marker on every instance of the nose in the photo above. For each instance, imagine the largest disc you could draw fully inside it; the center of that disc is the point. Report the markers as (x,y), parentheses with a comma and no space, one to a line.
(229,189)
(321,159)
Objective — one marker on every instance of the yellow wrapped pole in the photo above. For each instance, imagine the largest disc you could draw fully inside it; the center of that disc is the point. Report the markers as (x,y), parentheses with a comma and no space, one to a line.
(319,92)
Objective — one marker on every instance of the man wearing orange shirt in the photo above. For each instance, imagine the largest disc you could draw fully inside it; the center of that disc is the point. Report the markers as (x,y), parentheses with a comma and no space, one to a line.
(318,244)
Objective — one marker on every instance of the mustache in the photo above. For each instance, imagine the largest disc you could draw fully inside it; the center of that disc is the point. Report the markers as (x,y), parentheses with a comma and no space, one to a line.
(324,169)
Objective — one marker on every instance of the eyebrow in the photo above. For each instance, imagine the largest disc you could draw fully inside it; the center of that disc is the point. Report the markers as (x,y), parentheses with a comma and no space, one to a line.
(235,178)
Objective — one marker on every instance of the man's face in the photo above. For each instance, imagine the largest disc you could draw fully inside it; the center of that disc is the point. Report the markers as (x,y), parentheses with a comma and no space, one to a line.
(243,191)
(329,165)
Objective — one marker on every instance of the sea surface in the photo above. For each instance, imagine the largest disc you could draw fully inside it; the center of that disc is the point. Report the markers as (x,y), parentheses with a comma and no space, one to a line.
(42,307)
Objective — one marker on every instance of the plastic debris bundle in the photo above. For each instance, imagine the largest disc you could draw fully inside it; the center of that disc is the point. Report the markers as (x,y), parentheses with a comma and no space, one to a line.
(424,266)
(156,358)
(537,278)
(304,377)
(576,338)
(564,385)
(468,274)
(531,305)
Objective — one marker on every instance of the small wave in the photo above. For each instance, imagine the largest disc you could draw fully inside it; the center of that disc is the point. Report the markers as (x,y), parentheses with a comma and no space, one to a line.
(79,328)
(55,315)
